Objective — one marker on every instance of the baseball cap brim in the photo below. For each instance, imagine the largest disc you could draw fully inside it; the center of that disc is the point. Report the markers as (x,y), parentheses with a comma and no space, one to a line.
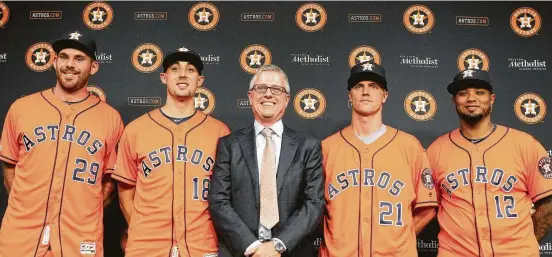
(364,76)
(69,43)
(456,86)
(183,57)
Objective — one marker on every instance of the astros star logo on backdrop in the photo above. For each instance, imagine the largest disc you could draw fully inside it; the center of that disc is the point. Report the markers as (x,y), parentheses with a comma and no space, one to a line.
(255,59)
(309,103)
(473,63)
(419,19)
(311,17)
(525,21)
(98,15)
(420,105)
(199,102)
(364,57)
(41,56)
(203,16)
(147,57)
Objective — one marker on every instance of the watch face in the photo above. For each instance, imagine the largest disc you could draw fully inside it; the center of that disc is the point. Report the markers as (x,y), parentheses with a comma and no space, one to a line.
(279,247)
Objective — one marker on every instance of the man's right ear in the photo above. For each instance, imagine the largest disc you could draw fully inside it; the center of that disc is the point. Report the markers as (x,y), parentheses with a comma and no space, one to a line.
(163,77)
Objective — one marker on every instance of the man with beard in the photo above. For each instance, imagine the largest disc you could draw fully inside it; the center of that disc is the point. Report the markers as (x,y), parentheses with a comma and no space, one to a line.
(58,147)
(488,177)
(164,166)
(378,195)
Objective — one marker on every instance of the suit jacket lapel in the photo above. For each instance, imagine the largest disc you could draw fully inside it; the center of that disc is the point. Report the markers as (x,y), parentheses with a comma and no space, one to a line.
(247,145)
(287,152)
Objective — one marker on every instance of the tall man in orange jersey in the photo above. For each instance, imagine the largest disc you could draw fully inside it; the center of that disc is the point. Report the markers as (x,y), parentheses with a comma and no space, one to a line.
(56,149)
(488,176)
(378,195)
(164,167)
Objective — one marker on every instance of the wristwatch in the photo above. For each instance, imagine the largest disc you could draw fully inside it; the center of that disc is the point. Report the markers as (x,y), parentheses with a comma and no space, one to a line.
(278,246)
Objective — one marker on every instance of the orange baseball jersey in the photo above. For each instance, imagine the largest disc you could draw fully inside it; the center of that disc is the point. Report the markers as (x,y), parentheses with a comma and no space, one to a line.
(486,191)
(61,153)
(171,166)
(371,192)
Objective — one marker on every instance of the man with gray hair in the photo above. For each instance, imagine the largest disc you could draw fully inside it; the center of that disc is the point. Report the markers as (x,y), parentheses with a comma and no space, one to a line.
(266,195)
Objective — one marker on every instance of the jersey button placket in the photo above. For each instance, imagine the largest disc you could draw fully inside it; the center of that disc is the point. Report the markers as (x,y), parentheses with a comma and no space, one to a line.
(480,203)
(366,205)
(180,186)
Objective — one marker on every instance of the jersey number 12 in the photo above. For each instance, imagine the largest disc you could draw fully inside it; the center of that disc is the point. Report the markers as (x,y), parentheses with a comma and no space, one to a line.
(509,205)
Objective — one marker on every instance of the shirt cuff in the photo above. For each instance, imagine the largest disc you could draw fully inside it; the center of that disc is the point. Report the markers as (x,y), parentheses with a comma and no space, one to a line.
(280,241)
(253,245)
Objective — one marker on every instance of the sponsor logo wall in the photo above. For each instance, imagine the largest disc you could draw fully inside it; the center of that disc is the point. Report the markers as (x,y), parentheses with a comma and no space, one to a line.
(421,45)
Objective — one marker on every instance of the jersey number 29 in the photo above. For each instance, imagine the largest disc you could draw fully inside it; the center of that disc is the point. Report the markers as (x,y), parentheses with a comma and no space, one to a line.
(82,166)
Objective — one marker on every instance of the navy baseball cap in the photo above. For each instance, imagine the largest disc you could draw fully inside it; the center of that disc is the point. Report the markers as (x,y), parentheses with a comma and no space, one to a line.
(367,71)
(77,40)
(470,78)
(183,54)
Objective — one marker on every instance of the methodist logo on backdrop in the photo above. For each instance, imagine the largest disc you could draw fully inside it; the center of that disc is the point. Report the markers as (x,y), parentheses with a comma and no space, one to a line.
(147,58)
(40,57)
(97,92)
(473,59)
(364,53)
(420,105)
(527,65)
(204,16)
(204,100)
(309,103)
(253,57)
(3,57)
(419,62)
(428,245)
(210,59)
(418,19)
(311,17)
(310,59)
(530,108)
(4,14)
(525,21)
(104,57)
(97,15)
(545,248)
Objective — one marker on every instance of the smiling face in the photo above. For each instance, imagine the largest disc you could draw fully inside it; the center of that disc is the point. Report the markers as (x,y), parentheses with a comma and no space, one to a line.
(473,104)
(367,97)
(73,68)
(268,107)
(182,80)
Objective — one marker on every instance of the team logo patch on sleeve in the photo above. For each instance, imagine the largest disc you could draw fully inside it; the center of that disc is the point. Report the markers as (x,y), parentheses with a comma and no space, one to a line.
(427,179)
(545,167)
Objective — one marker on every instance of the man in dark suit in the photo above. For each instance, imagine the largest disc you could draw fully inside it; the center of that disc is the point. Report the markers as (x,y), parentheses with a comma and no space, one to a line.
(267,190)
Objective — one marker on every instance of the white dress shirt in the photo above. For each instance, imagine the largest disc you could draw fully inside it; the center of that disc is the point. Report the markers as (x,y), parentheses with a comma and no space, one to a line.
(260,143)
